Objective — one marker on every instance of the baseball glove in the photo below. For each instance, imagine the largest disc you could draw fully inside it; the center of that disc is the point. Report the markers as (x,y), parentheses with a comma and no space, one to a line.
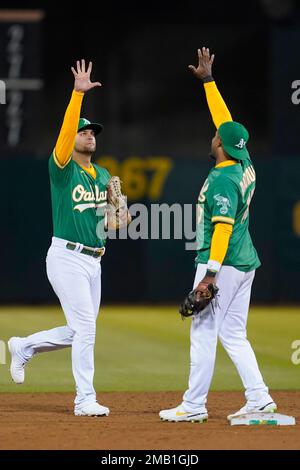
(117,214)
(196,301)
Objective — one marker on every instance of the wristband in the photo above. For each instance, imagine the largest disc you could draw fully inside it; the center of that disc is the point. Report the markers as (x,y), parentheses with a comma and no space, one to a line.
(213,265)
(207,79)
(210,273)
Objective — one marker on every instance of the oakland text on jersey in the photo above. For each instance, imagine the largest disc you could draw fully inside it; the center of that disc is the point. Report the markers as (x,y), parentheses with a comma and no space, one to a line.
(80,194)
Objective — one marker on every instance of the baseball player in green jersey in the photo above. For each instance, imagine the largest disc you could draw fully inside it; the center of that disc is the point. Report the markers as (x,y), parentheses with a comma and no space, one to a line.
(226,257)
(78,194)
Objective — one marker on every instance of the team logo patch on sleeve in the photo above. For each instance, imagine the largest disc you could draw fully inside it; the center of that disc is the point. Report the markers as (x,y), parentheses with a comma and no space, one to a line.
(223,202)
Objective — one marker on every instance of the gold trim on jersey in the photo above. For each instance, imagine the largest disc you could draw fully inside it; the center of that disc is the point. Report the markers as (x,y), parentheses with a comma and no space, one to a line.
(57,162)
(220,218)
(226,163)
(91,171)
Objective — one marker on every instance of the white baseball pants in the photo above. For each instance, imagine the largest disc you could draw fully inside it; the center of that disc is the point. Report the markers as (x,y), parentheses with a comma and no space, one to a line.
(76,280)
(229,324)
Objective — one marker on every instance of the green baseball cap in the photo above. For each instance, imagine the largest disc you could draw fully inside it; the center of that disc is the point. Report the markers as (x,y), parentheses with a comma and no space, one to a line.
(86,124)
(234,138)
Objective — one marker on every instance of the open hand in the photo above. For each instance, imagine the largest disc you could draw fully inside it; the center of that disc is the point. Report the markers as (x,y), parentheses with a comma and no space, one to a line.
(204,65)
(82,78)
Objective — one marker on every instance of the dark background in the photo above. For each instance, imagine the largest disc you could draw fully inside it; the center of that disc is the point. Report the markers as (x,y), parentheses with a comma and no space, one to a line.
(151,106)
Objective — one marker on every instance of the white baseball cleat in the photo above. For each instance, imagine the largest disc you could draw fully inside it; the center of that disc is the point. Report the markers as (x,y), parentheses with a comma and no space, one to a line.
(93,409)
(269,407)
(179,414)
(17,365)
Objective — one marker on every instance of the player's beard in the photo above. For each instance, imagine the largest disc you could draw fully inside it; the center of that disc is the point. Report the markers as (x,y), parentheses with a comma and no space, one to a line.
(211,155)
(86,149)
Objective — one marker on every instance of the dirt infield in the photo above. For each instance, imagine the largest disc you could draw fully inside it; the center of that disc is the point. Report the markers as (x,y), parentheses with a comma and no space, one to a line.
(46,421)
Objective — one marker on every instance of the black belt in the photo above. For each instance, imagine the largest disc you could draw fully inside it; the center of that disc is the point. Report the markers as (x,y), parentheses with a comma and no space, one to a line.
(86,250)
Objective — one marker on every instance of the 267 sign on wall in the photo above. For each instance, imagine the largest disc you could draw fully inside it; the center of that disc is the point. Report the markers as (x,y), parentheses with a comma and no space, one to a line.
(142,178)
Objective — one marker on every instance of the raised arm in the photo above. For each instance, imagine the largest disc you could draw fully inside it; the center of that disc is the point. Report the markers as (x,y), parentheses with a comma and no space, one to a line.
(65,142)
(216,104)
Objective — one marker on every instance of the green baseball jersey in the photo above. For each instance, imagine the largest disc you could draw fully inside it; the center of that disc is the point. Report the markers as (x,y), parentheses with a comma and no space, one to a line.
(225,197)
(78,203)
